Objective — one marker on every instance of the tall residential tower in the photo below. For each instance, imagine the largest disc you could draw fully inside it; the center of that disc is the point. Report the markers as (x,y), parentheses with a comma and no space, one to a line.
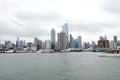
(80,42)
(61,41)
(115,39)
(52,38)
(65,30)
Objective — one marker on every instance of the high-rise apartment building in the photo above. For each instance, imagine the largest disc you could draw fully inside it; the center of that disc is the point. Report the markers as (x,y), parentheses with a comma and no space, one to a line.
(115,39)
(79,42)
(47,44)
(52,38)
(103,44)
(61,41)
(71,42)
(113,45)
(65,30)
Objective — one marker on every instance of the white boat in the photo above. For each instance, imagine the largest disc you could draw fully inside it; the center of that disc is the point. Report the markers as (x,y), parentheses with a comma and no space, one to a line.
(108,55)
(46,51)
(39,51)
(9,51)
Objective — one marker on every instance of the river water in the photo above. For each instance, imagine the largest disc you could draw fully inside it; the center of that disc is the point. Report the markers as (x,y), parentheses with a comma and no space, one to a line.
(59,66)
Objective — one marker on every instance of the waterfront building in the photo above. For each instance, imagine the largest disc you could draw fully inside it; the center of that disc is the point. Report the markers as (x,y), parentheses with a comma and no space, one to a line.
(113,45)
(1,47)
(115,39)
(76,43)
(86,45)
(37,43)
(71,42)
(61,41)
(80,42)
(43,45)
(9,45)
(21,45)
(65,30)
(118,43)
(52,38)
(17,43)
(93,45)
(29,44)
(47,44)
(103,44)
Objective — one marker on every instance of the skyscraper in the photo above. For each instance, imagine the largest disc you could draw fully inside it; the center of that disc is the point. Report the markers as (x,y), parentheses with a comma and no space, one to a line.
(61,41)
(79,42)
(17,42)
(71,42)
(52,38)
(47,44)
(115,39)
(65,30)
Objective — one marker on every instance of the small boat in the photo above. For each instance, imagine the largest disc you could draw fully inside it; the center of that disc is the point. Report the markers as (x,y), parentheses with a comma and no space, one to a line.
(111,51)
(108,55)
(39,51)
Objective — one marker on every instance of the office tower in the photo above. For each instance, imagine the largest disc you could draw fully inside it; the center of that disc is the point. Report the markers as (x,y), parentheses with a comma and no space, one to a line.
(65,30)
(47,44)
(79,42)
(17,43)
(61,41)
(115,39)
(9,45)
(71,42)
(113,45)
(1,47)
(93,44)
(29,45)
(76,43)
(52,38)
(118,43)
(86,45)
(36,41)
(43,45)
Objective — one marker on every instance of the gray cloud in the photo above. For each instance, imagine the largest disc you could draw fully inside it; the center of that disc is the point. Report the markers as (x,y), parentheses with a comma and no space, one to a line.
(44,17)
(112,6)
(93,28)
(18,29)
(35,18)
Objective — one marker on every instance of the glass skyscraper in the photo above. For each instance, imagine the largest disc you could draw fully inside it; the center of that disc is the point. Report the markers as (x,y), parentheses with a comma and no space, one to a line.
(79,42)
(115,39)
(65,30)
(52,38)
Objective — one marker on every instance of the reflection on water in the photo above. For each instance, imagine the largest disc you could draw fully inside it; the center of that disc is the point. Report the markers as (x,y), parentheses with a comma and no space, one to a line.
(72,66)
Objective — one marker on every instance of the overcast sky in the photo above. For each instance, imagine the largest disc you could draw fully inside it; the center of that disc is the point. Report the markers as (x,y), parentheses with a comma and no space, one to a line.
(35,18)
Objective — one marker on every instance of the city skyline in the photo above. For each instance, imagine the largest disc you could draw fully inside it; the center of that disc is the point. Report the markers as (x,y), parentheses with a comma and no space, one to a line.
(35,18)
(53,37)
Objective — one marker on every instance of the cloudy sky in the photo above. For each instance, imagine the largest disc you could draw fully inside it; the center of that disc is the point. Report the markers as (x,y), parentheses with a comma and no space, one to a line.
(35,18)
